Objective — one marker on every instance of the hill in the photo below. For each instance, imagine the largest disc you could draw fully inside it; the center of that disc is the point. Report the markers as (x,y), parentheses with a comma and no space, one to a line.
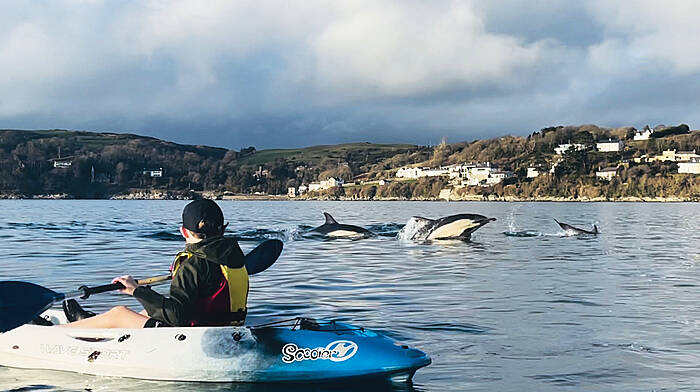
(97,165)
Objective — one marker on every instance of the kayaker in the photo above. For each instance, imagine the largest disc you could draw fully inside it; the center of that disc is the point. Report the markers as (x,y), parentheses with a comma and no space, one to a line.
(209,286)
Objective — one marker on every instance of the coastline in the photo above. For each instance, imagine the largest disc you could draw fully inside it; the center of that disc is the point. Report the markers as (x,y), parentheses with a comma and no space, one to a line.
(183,195)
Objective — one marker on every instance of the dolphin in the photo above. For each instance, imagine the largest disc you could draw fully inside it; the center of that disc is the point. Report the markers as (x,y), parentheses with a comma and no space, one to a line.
(460,226)
(575,230)
(333,229)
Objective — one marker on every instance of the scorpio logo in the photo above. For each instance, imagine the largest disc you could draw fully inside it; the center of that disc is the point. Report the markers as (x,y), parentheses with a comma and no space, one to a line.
(337,351)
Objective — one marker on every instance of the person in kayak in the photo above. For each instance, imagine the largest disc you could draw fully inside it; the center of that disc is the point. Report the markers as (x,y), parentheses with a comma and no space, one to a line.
(209,286)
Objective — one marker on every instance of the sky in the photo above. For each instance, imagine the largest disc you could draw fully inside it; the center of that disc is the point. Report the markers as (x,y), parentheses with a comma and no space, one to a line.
(281,74)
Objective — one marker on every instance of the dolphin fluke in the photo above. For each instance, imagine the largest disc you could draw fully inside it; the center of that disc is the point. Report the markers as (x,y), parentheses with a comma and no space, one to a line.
(329,219)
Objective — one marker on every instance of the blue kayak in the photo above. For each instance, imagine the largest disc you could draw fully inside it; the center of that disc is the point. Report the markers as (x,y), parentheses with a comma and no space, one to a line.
(296,350)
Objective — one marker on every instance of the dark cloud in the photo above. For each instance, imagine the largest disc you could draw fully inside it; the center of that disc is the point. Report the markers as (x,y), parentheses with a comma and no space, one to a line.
(235,74)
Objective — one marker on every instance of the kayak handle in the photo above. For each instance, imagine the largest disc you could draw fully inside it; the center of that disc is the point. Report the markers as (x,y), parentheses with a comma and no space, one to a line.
(88,291)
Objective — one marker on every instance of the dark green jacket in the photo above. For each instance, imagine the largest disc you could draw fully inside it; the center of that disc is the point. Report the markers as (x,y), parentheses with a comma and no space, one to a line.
(198,277)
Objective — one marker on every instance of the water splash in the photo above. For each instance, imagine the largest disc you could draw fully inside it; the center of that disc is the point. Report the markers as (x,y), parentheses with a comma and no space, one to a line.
(413,230)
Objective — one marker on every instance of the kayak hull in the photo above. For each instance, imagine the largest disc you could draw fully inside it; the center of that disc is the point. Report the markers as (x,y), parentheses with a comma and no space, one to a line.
(302,350)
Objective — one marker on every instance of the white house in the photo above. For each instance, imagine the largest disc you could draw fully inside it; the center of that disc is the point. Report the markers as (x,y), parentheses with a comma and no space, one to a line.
(481,172)
(532,172)
(610,146)
(153,172)
(331,182)
(418,172)
(643,134)
(496,177)
(460,171)
(302,189)
(437,172)
(62,163)
(690,167)
(686,155)
(568,146)
(325,184)
(608,173)
(675,156)
(291,192)
(410,172)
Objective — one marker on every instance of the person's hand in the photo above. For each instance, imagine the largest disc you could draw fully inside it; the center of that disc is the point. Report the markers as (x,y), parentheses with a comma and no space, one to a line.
(128,282)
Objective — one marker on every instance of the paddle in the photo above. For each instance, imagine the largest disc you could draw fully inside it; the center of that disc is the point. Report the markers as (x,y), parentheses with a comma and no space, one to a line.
(20,302)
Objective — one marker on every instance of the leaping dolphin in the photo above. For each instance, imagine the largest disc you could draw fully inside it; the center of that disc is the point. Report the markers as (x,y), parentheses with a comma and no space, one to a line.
(460,226)
(575,230)
(333,229)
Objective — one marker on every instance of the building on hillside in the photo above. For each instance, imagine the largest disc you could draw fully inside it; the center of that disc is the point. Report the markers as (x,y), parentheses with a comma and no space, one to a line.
(331,182)
(666,155)
(63,163)
(152,172)
(691,166)
(610,146)
(496,177)
(383,182)
(460,171)
(482,171)
(410,172)
(686,155)
(324,184)
(437,172)
(291,192)
(643,134)
(533,172)
(673,156)
(607,173)
(302,189)
(419,172)
(562,148)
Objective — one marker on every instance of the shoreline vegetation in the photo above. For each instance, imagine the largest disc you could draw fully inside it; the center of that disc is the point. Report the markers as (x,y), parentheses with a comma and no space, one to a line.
(157,195)
(568,163)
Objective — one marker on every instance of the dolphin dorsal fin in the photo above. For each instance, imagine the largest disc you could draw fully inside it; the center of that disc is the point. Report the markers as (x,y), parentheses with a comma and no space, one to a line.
(329,219)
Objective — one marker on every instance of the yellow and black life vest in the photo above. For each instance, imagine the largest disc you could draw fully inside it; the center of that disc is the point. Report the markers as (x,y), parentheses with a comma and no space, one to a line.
(228,304)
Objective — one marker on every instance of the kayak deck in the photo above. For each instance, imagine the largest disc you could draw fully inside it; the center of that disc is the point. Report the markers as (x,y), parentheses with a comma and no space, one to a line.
(296,350)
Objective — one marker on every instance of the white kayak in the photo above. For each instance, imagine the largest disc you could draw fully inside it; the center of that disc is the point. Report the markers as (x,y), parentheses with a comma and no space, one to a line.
(298,350)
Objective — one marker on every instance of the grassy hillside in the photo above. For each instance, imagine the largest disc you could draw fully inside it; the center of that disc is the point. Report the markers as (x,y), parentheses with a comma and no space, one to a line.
(118,160)
(103,164)
(316,154)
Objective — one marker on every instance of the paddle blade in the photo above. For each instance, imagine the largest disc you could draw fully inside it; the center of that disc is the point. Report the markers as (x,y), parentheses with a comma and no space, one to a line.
(20,302)
(262,257)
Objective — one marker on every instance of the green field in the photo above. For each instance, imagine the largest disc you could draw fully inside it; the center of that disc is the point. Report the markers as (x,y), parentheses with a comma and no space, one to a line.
(315,154)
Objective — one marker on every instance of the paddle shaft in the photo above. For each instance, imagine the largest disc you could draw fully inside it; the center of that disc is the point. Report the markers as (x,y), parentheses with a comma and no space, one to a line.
(84,292)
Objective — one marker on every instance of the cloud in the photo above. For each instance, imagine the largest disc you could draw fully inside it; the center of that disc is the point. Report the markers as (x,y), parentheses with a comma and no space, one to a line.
(281,74)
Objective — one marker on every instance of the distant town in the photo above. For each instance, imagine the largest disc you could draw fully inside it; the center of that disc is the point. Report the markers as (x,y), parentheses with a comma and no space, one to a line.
(487,174)
(555,163)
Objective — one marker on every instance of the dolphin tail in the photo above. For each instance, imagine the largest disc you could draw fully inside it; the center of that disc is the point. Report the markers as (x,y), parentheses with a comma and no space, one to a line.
(329,219)
(595,229)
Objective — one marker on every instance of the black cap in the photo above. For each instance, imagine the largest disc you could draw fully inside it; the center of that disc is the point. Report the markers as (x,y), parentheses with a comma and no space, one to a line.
(203,217)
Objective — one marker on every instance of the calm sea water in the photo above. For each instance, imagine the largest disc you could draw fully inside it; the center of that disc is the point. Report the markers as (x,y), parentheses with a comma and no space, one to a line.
(549,312)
